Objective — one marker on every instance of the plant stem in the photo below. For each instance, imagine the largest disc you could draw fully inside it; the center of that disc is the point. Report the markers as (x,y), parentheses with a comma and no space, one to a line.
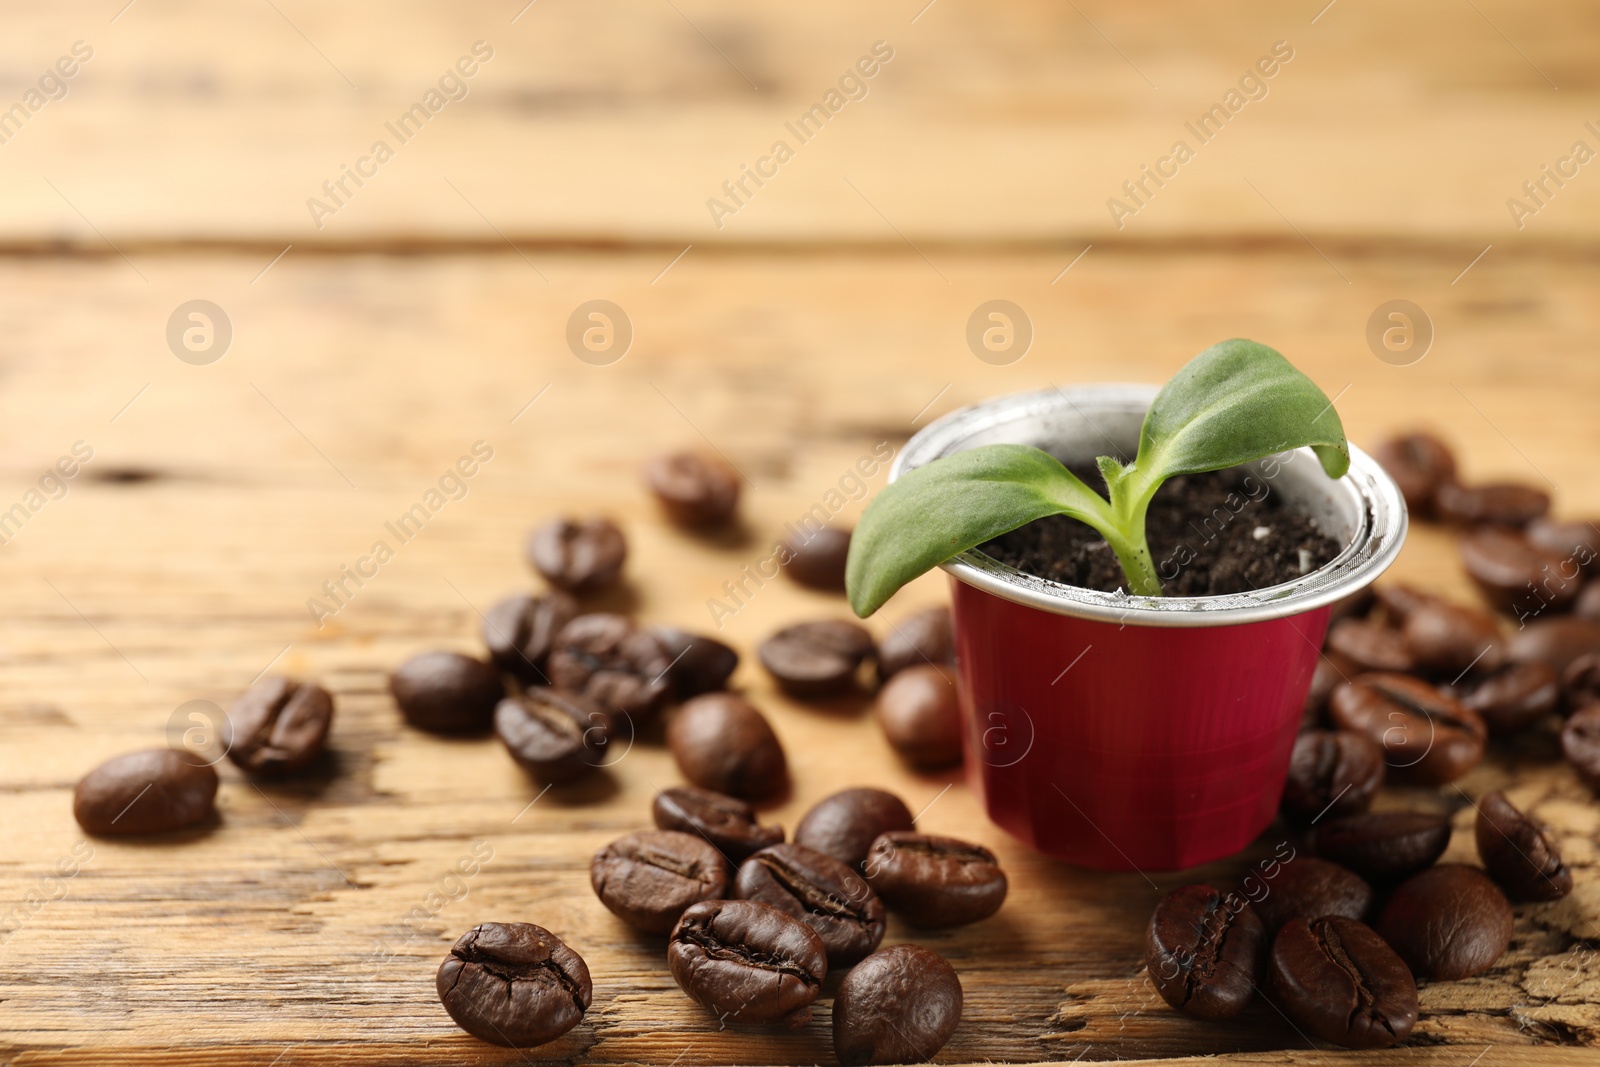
(1130,501)
(1134,555)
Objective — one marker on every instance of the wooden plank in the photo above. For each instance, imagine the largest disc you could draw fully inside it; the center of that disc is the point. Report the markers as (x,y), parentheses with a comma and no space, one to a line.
(620,120)
(219,498)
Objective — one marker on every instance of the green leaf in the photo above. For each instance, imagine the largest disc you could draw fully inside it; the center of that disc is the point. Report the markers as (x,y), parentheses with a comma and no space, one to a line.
(955,503)
(1235,402)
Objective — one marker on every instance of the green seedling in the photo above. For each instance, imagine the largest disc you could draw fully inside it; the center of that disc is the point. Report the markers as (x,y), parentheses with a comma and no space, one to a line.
(1233,403)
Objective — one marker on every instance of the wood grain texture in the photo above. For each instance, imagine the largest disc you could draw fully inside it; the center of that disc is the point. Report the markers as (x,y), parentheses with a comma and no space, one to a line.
(306,925)
(619,119)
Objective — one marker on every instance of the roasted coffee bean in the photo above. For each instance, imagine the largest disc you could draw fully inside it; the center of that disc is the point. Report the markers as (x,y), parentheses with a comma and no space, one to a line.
(580,556)
(1419,463)
(1518,854)
(1577,541)
(520,630)
(1400,600)
(647,879)
(899,1005)
(816,558)
(1333,773)
(935,881)
(554,734)
(1449,638)
(145,792)
(1370,646)
(1427,737)
(605,657)
(816,659)
(1304,887)
(1587,606)
(1580,743)
(1204,951)
(1385,846)
(699,664)
(748,962)
(819,891)
(1580,682)
(926,637)
(1449,922)
(1333,670)
(727,822)
(1554,641)
(846,824)
(1501,503)
(1514,576)
(446,692)
(514,984)
(279,725)
(1515,697)
(694,490)
(721,742)
(1336,978)
(921,717)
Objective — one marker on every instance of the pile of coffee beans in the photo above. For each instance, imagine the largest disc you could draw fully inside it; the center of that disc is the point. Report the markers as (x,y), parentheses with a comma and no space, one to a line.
(755,923)
(1411,689)
(1526,564)
(1297,931)
(1430,681)
(561,685)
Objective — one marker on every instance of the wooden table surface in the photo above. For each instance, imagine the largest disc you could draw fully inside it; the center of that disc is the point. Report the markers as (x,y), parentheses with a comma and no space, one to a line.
(826,315)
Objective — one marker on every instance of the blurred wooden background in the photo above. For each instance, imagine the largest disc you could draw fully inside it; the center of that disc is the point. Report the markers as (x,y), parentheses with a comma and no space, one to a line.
(827,314)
